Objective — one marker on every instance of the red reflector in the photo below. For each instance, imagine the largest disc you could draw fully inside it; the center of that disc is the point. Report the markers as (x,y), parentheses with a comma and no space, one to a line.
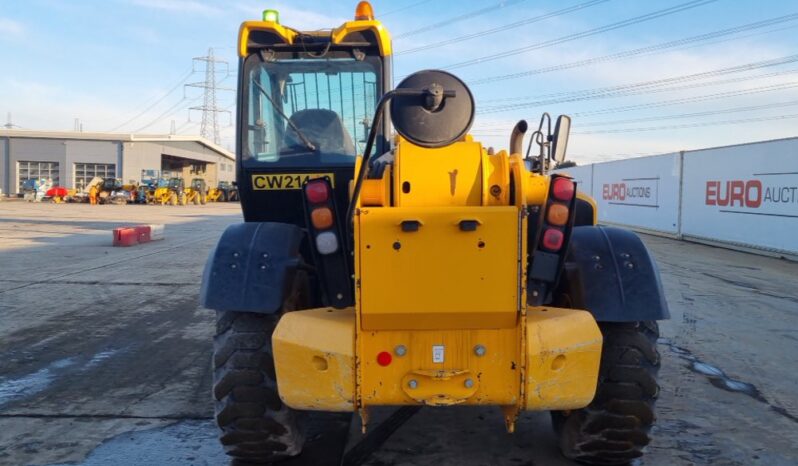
(563,189)
(317,192)
(552,239)
(384,358)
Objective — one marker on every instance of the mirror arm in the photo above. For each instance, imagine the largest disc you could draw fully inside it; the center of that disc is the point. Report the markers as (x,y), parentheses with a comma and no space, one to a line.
(350,213)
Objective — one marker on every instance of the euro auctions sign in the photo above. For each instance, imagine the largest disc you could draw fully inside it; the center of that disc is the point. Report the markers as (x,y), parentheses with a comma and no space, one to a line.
(745,194)
(640,192)
(754,193)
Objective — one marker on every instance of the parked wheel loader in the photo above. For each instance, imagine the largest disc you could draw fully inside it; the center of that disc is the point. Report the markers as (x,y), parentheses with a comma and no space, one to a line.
(170,191)
(223,192)
(197,192)
(418,267)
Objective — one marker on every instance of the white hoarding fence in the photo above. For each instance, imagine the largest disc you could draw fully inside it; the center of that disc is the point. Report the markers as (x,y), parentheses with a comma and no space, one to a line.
(745,194)
(641,192)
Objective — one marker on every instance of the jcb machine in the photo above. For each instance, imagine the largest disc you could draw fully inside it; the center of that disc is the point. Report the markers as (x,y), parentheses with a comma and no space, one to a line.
(223,192)
(171,191)
(430,270)
(197,192)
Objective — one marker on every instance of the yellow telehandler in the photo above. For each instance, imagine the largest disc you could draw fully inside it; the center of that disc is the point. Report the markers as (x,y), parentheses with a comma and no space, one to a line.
(402,262)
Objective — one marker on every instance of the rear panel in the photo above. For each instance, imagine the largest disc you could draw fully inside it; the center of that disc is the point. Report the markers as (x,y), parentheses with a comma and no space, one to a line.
(425,279)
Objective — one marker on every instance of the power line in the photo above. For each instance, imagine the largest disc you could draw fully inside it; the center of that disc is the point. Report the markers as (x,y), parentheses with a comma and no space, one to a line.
(690,125)
(450,21)
(170,111)
(157,101)
(689,100)
(664,103)
(642,50)
(403,8)
(580,35)
(645,86)
(663,82)
(747,108)
(502,28)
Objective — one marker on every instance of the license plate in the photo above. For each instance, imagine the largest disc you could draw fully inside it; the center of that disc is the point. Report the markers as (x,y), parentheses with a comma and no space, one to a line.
(285,181)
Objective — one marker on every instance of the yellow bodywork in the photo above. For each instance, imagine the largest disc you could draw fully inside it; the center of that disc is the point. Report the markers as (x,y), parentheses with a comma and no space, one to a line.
(441,257)
(338,35)
(553,368)
(440,275)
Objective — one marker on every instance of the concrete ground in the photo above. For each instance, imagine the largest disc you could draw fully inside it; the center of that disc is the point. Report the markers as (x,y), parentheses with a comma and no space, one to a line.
(106,356)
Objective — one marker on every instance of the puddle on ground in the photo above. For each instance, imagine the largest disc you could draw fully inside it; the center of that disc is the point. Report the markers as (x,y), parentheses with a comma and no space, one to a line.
(31,384)
(186,443)
(14,389)
(719,379)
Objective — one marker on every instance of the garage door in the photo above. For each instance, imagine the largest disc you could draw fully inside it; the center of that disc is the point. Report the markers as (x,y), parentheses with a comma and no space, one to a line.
(36,170)
(84,172)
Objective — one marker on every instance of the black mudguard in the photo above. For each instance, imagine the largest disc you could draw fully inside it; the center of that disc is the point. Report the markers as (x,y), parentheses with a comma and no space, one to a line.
(252,268)
(609,272)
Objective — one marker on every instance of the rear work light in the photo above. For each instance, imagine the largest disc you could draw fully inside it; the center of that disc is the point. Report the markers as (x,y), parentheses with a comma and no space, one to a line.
(322,218)
(553,239)
(317,192)
(326,243)
(557,215)
(563,189)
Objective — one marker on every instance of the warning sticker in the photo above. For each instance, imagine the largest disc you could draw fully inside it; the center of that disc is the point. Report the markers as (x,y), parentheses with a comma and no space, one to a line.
(437,353)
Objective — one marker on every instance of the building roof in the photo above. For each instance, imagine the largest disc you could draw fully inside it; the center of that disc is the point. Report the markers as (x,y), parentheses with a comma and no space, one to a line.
(122,137)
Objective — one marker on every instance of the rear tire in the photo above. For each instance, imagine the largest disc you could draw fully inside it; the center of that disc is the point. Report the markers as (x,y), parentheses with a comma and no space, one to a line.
(256,427)
(614,428)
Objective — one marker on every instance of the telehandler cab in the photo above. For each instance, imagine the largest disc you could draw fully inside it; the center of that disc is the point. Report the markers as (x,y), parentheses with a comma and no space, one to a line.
(429,270)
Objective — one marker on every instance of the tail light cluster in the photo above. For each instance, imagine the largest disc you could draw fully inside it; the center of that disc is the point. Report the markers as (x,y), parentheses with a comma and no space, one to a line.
(324,231)
(318,194)
(558,213)
(549,231)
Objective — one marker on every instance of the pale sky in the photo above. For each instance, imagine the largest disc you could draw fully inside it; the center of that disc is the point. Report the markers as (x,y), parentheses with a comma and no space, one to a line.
(638,77)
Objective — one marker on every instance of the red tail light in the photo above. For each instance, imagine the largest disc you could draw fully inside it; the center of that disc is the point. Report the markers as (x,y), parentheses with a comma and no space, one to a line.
(553,239)
(317,192)
(563,189)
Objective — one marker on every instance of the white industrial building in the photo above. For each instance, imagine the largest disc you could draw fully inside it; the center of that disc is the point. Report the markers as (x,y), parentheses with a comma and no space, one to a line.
(71,159)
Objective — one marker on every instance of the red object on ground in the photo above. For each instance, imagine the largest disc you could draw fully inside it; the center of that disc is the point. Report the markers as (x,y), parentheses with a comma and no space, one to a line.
(125,236)
(59,191)
(143,233)
(131,236)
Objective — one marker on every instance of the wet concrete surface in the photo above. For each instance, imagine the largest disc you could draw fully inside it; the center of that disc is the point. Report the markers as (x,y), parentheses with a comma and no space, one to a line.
(106,357)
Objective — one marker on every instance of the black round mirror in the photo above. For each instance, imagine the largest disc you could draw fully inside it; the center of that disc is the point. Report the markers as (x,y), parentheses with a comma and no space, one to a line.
(439,115)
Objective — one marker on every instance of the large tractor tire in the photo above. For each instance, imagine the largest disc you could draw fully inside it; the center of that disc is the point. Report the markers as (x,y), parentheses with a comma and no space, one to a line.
(173,199)
(614,428)
(196,199)
(203,199)
(256,427)
(183,199)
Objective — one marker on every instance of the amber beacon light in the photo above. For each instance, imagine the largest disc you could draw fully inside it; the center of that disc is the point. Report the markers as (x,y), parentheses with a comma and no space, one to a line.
(364,12)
